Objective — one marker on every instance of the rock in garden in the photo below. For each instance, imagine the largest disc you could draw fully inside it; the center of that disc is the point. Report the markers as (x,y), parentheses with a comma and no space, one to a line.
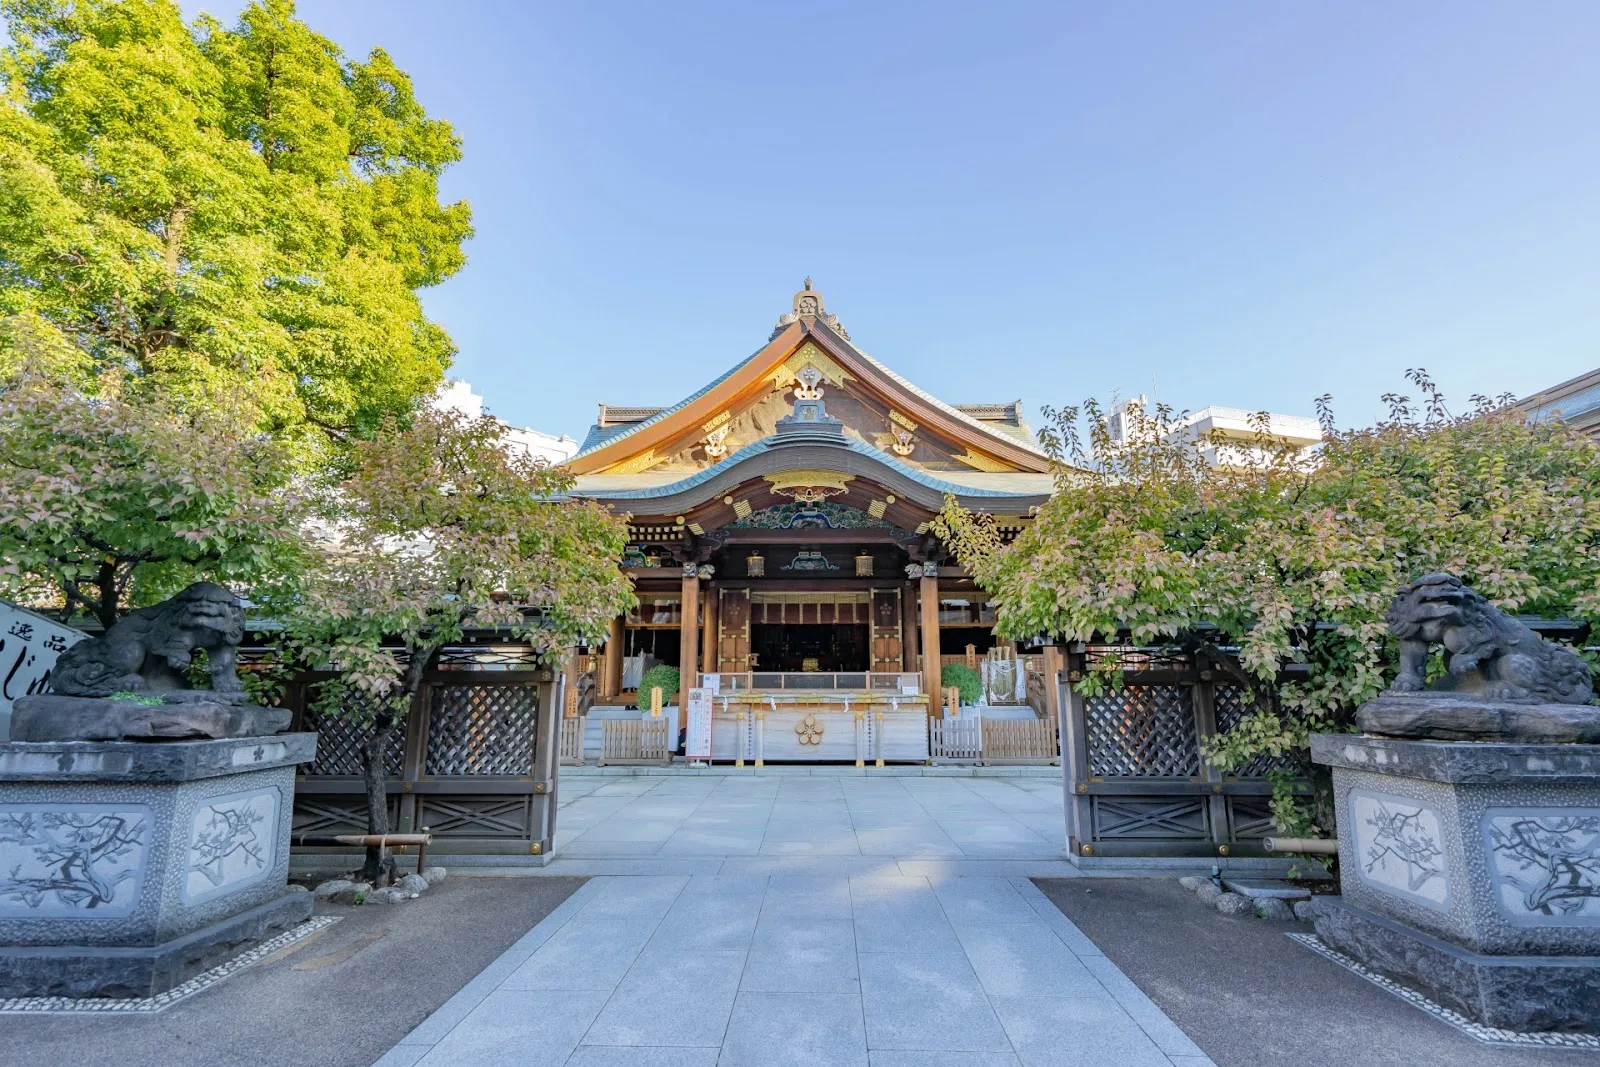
(1234,904)
(1191,882)
(434,875)
(1274,908)
(1305,910)
(352,894)
(412,883)
(332,888)
(392,895)
(1208,892)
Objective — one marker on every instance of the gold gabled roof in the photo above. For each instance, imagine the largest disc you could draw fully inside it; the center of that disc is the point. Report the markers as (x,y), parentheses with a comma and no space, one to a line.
(809,336)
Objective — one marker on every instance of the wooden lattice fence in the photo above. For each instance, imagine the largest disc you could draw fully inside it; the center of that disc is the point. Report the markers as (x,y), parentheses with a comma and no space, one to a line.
(474,764)
(1136,782)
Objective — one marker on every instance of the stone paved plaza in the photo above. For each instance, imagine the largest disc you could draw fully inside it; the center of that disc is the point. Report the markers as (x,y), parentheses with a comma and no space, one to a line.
(745,817)
(804,970)
(806,920)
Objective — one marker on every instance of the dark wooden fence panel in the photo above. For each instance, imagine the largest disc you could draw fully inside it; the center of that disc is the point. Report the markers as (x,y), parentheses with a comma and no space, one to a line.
(1136,783)
(475,764)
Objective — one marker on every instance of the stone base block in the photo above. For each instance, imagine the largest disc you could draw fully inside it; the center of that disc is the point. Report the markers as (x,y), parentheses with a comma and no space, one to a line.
(1447,717)
(95,971)
(1525,993)
(48,717)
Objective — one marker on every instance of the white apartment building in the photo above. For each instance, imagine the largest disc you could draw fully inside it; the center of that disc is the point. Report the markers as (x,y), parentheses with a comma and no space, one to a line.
(458,395)
(1227,437)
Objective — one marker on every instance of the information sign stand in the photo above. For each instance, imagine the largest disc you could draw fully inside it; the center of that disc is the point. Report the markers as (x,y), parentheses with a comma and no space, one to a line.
(697,743)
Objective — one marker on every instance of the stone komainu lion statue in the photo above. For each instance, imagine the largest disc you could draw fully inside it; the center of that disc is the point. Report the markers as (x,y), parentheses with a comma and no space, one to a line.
(1491,655)
(148,650)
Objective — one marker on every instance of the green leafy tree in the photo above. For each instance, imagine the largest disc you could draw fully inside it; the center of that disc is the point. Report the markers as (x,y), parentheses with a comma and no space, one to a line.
(1294,558)
(201,205)
(108,496)
(441,526)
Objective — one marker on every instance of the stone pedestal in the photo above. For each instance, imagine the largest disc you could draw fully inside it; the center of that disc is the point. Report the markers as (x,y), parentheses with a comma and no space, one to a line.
(127,868)
(1471,872)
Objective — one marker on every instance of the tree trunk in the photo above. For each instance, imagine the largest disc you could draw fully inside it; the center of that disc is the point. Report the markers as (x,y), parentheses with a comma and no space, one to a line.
(372,758)
(377,795)
(107,578)
(173,256)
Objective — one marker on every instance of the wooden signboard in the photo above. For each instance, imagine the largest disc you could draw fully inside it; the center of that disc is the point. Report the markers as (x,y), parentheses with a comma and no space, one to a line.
(697,741)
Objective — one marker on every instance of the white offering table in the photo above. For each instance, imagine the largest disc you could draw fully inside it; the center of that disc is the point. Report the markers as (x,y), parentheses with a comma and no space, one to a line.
(867,728)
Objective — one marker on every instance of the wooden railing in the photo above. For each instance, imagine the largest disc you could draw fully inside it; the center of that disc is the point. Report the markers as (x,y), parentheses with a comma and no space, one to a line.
(951,740)
(1021,741)
(993,741)
(648,739)
(572,741)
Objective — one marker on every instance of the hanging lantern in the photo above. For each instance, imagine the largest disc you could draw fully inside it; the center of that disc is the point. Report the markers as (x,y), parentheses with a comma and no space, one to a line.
(863,564)
(755,565)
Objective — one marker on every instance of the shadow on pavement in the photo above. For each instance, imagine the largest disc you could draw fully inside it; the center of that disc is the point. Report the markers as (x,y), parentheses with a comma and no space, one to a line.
(338,999)
(1251,997)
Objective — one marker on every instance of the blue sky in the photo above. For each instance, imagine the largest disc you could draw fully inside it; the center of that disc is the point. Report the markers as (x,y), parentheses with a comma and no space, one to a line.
(1217,203)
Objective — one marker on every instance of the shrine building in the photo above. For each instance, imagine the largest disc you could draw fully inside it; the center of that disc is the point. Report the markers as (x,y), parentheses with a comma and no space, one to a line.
(779,533)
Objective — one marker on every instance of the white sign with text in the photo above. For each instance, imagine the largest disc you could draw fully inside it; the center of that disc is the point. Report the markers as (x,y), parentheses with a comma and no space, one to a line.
(697,742)
(29,645)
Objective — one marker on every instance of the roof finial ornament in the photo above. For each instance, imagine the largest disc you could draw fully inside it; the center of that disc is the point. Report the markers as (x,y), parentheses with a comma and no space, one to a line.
(808,304)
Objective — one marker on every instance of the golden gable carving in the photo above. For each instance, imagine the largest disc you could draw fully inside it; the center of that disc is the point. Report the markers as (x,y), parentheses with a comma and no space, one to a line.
(809,354)
(983,463)
(809,480)
(633,464)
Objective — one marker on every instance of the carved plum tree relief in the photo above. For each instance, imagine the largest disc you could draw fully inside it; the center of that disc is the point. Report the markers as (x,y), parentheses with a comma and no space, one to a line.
(1545,864)
(232,844)
(75,860)
(1398,847)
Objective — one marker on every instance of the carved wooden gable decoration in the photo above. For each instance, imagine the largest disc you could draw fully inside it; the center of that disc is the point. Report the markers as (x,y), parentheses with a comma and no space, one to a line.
(876,407)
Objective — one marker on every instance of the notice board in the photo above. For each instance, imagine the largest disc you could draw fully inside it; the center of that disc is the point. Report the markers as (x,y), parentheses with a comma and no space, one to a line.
(697,742)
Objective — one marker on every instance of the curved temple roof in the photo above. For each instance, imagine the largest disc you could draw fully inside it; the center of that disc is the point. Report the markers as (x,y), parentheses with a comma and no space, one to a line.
(663,491)
(619,460)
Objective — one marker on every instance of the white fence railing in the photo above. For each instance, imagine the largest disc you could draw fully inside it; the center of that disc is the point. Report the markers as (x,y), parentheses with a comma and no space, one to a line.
(823,681)
(970,739)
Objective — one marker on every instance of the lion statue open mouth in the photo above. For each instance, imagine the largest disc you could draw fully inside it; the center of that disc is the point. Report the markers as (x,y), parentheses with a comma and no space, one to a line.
(1491,655)
(149,650)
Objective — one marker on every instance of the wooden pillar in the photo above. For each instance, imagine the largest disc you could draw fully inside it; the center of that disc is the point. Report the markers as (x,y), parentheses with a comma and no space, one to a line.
(929,592)
(616,649)
(708,632)
(569,681)
(688,638)
(908,627)
(1060,672)
(1051,663)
